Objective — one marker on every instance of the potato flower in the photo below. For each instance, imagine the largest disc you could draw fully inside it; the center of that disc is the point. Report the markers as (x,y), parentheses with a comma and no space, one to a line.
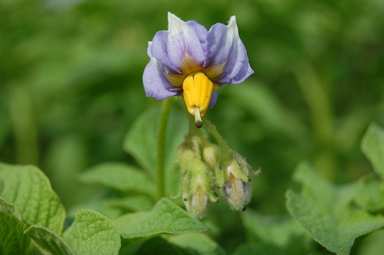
(191,61)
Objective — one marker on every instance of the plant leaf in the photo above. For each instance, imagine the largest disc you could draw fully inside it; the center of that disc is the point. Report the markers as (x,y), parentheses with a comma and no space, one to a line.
(48,241)
(121,177)
(197,242)
(279,231)
(326,213)
(12,238)
(92,233)
(373,147)
(164,218)
(131,203)
(141,140)
(29,190)
(371,195)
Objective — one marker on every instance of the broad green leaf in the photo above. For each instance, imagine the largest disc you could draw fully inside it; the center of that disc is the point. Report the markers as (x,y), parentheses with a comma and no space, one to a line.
(141,140)
(12,238)
(92,233)
(373,147)
(131,203)
(371,195)
(372,244)
(164,218)
(199,243)
(327,214)
(48,241)
(272,229)
(29,190)
(121,177)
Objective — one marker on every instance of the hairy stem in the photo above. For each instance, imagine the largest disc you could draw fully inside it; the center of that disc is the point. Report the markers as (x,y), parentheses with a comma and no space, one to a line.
(161,138)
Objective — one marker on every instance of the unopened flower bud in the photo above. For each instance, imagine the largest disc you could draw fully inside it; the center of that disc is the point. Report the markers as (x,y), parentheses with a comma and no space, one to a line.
(196,186)
(237,188)
(210,155)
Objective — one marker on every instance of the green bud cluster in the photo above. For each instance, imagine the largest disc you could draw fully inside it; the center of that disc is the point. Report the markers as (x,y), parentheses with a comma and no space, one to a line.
(210,171)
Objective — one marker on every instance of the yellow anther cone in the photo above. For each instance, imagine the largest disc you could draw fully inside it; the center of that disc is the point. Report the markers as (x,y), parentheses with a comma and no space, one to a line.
(197,93)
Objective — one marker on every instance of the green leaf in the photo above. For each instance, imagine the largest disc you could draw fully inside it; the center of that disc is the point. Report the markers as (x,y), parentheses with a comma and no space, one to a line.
(12,238)
(141,140)
(327,213)
(260,101)
(29,190)
(371,195)
(48,241)
(121,177)
(131,203)
(164,218)
(272,229)
(92,233)
(372,244)
(160,246)
(373,147)
(199,243)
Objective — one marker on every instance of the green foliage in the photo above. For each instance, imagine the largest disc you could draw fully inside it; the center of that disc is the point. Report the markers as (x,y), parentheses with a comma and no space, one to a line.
(373,148)
(12,239)
(92,233)
(120,177)
(325,211)
(71,88)
(165,218)
(30,192)
(141,140)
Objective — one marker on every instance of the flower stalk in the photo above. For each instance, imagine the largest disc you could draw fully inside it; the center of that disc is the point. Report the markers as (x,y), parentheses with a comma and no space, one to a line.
(161,138)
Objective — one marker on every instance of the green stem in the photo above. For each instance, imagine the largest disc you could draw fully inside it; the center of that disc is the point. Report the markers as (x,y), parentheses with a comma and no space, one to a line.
(161,138)
(212,130)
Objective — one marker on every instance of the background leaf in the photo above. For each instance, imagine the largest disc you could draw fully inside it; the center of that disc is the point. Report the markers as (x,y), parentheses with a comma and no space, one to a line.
(120,177)
(279,231)
(373,147)
(326,213)
(141,143)
(197,242)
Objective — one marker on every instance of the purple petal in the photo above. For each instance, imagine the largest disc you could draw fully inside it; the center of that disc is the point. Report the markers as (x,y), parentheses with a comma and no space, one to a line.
(226,50)
(202,34)
(155,84)
(184,41)
(158,49)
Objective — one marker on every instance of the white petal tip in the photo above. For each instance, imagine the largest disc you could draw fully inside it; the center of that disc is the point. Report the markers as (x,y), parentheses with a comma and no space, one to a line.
(174,23)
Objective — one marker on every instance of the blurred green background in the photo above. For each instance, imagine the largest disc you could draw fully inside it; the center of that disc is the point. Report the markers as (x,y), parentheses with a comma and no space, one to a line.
(71,86)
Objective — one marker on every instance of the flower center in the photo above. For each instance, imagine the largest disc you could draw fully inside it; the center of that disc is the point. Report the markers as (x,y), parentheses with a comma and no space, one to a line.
(197,93)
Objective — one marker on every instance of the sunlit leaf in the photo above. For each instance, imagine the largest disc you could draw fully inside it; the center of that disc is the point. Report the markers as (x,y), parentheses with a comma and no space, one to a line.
(92,233)
(164,218)
(29,190)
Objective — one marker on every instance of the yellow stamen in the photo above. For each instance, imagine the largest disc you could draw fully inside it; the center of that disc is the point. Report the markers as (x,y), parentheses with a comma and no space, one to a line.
(197,93)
